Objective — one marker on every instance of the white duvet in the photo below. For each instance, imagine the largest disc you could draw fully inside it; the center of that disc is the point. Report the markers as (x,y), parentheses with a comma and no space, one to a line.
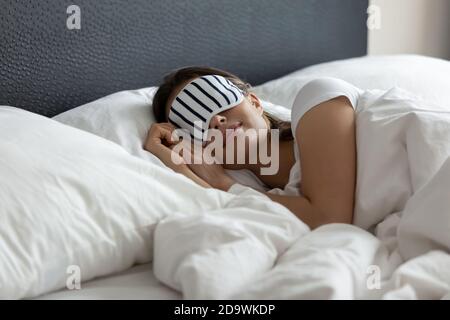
(256,250)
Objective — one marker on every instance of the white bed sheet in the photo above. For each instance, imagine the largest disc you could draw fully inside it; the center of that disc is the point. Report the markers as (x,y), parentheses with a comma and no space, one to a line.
(136,283)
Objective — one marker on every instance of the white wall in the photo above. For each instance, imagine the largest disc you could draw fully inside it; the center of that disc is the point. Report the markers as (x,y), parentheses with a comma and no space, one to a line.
(412,26)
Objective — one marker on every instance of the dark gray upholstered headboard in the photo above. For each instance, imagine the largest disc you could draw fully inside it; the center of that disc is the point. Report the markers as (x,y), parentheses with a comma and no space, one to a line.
(47,68)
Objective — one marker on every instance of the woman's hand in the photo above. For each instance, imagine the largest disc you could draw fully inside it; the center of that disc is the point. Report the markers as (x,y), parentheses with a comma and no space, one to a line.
(160,142)
(214,174)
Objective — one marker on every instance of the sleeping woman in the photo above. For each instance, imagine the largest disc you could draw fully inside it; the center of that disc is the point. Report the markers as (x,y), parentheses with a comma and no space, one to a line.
(317,150)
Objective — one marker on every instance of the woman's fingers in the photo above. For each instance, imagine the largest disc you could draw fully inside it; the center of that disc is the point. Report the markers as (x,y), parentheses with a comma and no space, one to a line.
(166,136)
(166,131)
(159,134)
(167,125)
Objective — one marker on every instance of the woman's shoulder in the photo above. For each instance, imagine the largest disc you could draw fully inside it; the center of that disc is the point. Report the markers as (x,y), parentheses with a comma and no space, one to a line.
(320,90)
(324,87)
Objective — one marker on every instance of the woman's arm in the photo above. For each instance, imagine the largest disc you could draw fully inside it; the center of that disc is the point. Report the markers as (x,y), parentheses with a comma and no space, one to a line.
(327,145)
(159,142)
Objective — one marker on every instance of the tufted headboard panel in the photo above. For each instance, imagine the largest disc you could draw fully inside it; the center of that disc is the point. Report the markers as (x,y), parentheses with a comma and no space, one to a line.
(47,67)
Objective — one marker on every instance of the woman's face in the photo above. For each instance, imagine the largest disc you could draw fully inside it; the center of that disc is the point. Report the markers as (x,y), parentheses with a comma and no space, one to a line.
(235,123)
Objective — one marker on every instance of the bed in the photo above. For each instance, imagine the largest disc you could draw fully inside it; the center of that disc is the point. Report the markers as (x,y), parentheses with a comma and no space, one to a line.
(101,79)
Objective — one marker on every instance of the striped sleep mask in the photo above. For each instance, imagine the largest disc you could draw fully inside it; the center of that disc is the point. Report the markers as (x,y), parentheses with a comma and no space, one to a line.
(200,100)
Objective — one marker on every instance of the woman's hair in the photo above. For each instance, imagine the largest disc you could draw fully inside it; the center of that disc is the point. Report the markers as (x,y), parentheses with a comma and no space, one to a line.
(179,76)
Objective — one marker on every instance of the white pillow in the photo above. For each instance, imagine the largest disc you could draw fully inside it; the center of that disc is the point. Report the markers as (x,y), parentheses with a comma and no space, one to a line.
(428,78)
(122,117)
(68,197)
(125,117)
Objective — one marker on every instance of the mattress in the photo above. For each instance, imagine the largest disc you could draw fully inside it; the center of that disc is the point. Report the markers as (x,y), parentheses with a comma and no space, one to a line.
(136,283)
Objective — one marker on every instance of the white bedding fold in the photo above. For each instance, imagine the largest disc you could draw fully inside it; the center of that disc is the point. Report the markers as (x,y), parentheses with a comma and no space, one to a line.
(214,254)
